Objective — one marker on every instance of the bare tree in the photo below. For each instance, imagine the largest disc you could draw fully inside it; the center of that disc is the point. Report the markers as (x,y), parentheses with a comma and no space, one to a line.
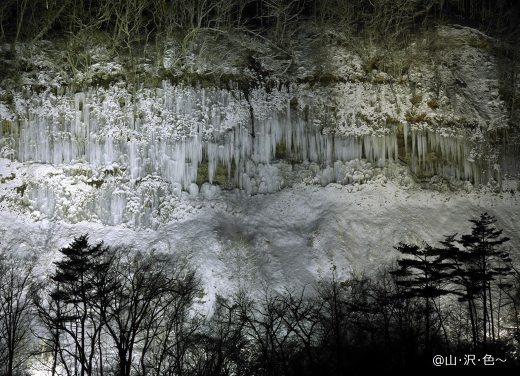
(15,312)
(145,307)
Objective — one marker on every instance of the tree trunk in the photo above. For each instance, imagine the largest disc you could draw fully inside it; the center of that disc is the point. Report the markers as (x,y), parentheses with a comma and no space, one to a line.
(473,327)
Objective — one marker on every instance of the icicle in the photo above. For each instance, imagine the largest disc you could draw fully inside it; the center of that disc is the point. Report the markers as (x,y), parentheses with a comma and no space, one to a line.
(183,126)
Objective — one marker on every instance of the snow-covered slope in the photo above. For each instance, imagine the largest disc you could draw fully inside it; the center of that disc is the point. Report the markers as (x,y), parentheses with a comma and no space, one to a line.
(287,238)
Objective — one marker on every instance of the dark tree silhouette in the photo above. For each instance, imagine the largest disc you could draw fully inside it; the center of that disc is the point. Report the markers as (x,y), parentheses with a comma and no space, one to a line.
(73,297)
(145,311)
(479,264)
(423,273)
(16,275)
(122,312)
(484,261)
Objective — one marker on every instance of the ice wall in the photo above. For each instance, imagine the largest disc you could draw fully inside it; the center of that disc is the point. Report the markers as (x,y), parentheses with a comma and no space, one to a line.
(191,129)
(173,133)
(449,154)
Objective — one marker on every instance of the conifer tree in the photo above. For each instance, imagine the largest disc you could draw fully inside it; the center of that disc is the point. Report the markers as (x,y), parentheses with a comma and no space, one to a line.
(485,261)
(75,291)
(478,264)
(423,273)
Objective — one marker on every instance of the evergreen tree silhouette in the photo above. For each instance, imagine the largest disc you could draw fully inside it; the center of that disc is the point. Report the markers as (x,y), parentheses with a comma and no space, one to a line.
(75,291)
(422,273)
(478,263)
(485,261)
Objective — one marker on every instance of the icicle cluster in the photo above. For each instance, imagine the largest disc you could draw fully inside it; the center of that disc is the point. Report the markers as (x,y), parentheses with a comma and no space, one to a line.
(189,127)
(174,132)
(447,154)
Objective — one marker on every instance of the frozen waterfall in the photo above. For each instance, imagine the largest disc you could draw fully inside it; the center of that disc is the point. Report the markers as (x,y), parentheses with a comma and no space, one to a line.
(175,133)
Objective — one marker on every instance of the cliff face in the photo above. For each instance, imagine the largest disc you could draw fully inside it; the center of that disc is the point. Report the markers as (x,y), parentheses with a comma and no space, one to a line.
(261,164)
(93,144)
